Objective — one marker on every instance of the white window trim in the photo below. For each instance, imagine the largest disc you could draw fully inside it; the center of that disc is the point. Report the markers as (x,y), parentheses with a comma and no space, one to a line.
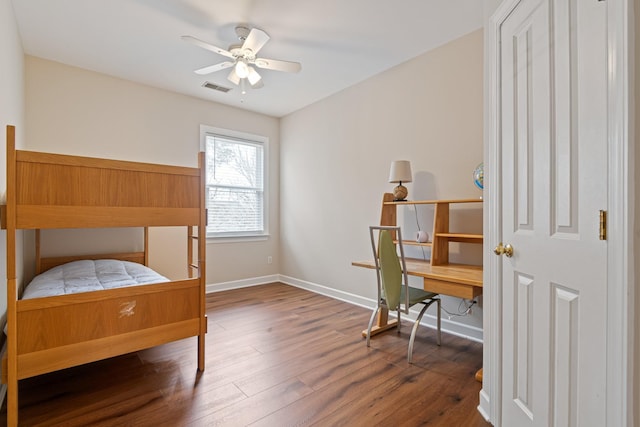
(242,237)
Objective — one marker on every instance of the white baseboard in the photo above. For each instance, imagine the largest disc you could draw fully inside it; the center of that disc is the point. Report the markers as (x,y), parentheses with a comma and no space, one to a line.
(451,327)
(484,406)
(329,292)
(245,283)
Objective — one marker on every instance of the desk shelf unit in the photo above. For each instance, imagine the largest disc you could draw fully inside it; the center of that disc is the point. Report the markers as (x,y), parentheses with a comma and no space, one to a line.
(441,236)
(438,275)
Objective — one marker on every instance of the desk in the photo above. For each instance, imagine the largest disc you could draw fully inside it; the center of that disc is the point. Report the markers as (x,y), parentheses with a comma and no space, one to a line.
(457,280)
(439,276)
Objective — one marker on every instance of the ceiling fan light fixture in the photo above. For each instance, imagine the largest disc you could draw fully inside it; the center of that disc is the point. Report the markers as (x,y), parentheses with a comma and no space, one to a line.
(233,77)
(242,69)
(242,58)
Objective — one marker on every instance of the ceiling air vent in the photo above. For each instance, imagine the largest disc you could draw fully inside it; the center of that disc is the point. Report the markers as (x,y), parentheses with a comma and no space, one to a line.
(214,86)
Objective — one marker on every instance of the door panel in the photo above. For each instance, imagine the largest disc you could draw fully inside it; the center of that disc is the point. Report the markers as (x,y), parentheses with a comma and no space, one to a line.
(564,179)
(524,42)
(565,305)
(553,146)
(523,383)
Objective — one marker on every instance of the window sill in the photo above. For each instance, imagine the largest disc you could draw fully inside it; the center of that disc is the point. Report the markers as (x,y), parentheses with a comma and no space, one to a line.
(238,239)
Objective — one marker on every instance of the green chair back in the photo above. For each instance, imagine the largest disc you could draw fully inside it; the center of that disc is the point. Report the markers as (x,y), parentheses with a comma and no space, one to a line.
(390,270)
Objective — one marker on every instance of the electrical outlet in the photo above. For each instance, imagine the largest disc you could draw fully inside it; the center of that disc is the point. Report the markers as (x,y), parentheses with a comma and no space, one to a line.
(269,259)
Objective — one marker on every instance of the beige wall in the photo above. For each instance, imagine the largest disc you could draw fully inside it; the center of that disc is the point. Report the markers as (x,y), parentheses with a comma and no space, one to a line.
(75,111)
(336,156)
(11,113)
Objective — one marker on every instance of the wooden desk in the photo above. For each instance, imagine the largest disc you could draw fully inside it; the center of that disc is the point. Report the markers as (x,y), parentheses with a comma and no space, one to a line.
(457,280)
(439,276)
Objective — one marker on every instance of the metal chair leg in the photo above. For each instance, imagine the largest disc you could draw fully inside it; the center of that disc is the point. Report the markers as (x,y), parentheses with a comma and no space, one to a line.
(373,318)
(415,329)
(439,341)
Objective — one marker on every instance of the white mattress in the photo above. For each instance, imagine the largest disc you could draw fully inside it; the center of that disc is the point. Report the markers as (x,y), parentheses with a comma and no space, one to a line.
(88,275)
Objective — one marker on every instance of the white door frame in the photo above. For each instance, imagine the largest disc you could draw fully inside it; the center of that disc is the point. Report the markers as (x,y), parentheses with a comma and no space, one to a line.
(620,256)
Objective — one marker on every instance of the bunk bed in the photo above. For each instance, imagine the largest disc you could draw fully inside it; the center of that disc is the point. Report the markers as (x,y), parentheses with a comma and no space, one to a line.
(46,191)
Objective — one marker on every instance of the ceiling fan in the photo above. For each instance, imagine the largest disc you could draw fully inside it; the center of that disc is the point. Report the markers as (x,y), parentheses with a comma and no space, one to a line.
(243,58)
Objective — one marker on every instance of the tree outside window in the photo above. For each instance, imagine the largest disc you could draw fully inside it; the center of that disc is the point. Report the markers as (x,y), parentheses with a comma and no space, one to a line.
(235,186)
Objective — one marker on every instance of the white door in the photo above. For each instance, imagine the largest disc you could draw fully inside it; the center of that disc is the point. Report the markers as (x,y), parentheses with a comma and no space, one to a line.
(553,137)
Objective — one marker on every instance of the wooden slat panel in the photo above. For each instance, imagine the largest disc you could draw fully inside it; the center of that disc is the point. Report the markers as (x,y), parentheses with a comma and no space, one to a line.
(12,291)
(98,163)
(445,287)
(33,217)
(461,237)
(459,273)
(68,324)
(42,362)
(47,184)
(432,202)
(413,243)
(440,248)
(202,259)
(388,215)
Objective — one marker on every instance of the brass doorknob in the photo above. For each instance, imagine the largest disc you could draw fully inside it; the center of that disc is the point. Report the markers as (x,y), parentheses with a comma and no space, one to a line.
(503,250)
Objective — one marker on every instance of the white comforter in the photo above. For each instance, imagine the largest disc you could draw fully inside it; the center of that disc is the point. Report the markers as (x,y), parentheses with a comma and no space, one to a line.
(87,275)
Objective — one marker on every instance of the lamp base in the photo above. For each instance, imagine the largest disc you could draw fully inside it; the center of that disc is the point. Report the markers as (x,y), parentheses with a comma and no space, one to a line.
(400,193)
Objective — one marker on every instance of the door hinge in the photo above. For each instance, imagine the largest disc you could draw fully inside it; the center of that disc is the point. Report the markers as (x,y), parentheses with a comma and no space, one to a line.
(603,225)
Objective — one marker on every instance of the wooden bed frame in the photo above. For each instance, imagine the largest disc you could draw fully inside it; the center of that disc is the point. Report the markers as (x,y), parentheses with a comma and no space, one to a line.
(47,191)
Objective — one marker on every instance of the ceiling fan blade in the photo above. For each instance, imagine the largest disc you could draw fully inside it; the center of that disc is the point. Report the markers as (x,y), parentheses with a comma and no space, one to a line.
(258,84)
(233,77)
(208,46)
(255,40)
(253,77)
(275,64)
(213,68)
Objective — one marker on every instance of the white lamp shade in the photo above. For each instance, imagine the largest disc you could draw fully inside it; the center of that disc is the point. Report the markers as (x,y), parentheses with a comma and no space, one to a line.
(400,171)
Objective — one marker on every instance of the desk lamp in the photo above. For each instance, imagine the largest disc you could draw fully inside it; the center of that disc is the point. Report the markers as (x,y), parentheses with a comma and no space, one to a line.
(400,172)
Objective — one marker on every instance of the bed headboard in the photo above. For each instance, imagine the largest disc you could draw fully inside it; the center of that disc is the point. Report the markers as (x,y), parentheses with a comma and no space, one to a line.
(62,191)
(46,263)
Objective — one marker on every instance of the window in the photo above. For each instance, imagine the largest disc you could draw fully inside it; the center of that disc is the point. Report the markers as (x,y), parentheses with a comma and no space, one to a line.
(235,184)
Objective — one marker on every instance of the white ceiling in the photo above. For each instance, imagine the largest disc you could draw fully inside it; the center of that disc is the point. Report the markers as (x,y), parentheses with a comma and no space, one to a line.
(338,42)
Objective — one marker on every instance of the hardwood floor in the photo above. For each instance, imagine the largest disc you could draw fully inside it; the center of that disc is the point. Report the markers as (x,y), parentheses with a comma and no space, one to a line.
(276,356)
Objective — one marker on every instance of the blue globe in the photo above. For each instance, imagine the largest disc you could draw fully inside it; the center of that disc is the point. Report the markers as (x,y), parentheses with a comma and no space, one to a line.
(478,176)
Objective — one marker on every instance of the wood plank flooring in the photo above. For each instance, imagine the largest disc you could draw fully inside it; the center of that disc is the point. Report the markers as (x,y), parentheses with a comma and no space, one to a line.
(276,356)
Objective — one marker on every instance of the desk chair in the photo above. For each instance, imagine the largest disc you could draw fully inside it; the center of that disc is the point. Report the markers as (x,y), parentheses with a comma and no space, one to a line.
(394,292)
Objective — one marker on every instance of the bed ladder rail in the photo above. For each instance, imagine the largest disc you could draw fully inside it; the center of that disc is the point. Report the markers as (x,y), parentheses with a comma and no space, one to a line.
(192,237)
